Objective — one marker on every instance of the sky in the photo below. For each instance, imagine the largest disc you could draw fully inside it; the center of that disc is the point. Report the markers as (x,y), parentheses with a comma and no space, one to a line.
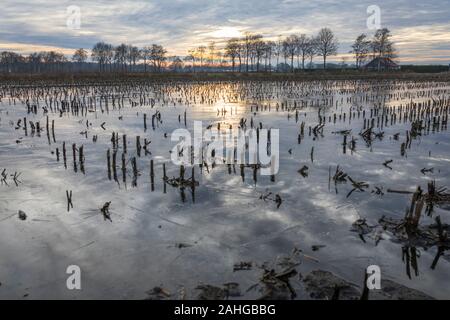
(421,29)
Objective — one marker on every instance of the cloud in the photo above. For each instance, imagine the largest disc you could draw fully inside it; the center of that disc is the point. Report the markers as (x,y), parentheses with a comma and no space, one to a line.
(183,24)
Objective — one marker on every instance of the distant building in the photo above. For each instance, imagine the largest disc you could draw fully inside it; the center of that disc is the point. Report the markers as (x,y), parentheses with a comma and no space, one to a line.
(382,64)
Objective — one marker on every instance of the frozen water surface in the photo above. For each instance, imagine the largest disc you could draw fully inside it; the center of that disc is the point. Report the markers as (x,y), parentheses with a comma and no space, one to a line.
(159,238)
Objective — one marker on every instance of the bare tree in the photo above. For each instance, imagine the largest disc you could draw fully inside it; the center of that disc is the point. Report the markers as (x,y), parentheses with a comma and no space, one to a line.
(120,56)
(382,45)
(212,53)
(158,56)
(327,44)
(278,50)
(268,53)
(360,48)
(134,56)
(108,54)
(247,46)
(201,53)
(191,57)
(311,52)
(232,51)
(100,54)
(303,45)
(80,56)
(145,55)
(259,47)
(290,48)
(35,59)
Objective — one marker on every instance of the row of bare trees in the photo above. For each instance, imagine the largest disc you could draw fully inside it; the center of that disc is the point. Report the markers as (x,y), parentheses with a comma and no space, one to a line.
(125,57)
(45,61)
(251,52)
(105,56)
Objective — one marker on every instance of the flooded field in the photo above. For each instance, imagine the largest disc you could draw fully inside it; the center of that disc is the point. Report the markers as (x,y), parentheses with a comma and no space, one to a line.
(87,180)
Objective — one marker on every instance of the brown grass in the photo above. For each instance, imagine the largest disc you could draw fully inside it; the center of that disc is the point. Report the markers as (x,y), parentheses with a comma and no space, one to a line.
(226,76)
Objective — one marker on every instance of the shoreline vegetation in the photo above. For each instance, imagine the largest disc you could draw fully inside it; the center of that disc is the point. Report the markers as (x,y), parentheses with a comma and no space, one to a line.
(227,76)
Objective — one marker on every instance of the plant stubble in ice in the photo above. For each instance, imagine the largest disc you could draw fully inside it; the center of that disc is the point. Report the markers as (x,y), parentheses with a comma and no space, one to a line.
(230,146)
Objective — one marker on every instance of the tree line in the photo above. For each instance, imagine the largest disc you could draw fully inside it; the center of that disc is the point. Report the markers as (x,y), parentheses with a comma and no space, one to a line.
(249,53)
(252,52)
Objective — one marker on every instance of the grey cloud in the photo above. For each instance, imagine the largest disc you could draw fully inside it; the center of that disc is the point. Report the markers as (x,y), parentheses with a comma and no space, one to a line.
(180,24)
